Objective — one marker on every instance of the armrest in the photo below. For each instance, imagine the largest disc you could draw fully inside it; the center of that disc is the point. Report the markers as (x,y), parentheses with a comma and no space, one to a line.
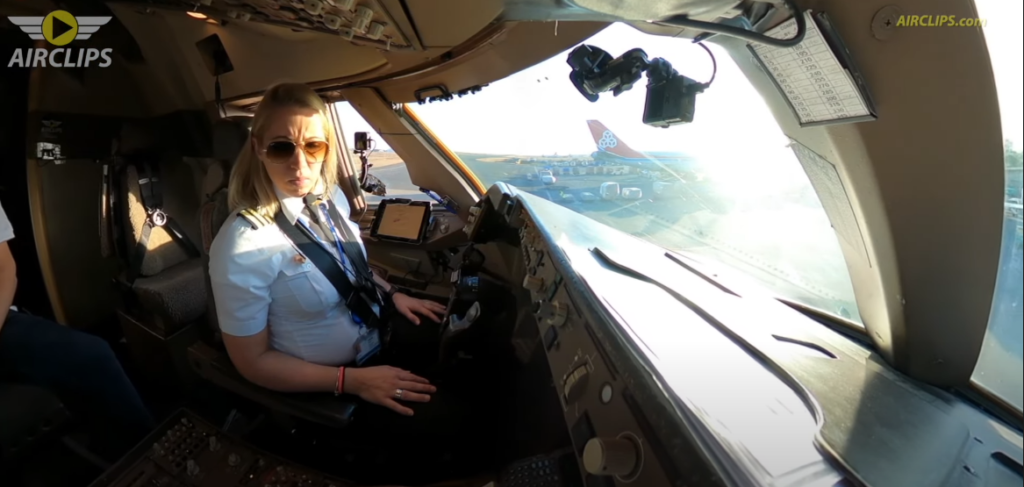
(326,409)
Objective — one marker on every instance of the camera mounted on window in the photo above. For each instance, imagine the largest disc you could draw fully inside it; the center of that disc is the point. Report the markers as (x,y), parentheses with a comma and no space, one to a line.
(671,97)
(369,183)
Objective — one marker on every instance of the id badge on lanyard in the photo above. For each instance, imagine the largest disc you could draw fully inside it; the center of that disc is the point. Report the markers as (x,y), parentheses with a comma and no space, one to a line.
(367,345)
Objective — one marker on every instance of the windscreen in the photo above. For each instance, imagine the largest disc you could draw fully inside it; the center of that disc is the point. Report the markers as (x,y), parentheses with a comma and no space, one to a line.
(999,369)
(726,187)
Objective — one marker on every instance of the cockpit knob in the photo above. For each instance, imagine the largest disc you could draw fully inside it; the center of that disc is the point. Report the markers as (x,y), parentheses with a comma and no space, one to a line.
(533,283)
(554,313)
(234,460)
(192,468)
(474,210)
(610,457)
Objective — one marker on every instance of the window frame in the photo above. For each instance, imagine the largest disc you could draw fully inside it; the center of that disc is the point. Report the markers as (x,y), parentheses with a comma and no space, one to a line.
(339,133)
(345,157)
(992,403)
(462,171)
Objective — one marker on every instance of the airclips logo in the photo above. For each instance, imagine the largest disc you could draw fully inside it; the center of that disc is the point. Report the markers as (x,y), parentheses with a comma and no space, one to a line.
(60,28)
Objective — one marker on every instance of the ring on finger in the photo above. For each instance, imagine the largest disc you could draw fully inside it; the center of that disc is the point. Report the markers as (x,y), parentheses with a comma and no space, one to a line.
(399,393)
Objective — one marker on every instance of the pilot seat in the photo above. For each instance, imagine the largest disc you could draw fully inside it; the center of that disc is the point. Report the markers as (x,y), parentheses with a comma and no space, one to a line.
(154,209)
(209,358)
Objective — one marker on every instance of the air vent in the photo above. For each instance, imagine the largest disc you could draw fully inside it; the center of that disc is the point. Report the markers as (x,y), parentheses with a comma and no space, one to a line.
(1010,464)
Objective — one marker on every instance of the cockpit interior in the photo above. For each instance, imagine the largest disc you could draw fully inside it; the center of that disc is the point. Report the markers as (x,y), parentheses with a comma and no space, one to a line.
(734,243)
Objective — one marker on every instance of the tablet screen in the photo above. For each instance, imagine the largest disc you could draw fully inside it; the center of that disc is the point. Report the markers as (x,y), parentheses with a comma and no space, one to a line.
(402,221)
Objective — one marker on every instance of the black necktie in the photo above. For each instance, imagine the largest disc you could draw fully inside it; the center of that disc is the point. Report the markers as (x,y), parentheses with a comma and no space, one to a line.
(318,230)
(359,272)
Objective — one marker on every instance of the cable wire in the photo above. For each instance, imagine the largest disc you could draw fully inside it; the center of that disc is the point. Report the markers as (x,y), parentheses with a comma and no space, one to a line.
(714,64)
(740,33)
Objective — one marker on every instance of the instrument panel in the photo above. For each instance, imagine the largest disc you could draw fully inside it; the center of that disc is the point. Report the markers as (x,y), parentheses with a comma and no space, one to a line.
(608,434)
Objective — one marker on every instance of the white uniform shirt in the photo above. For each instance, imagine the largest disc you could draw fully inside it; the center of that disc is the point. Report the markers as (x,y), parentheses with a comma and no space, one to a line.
(6,231)
(259,282)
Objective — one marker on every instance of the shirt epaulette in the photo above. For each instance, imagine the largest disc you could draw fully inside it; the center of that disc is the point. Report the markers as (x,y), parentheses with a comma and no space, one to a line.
(255,219)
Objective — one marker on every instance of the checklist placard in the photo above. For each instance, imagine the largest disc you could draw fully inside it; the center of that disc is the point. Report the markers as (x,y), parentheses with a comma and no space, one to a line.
(816,76)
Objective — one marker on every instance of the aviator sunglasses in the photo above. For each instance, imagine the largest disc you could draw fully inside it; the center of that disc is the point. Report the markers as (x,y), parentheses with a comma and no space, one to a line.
(281,151)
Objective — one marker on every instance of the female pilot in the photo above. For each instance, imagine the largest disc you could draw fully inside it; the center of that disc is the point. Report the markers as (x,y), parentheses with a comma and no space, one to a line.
(285,325)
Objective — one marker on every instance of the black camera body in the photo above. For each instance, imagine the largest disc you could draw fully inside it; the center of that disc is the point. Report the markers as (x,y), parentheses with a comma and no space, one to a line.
(671,97)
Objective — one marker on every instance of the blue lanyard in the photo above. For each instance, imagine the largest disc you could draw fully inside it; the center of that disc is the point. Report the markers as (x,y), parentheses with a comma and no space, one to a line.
(341,260)
(341,256)
(326,216)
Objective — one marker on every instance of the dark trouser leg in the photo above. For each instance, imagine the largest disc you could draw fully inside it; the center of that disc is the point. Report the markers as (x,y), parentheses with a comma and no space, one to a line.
(412,347)
(456,420)
(80,368)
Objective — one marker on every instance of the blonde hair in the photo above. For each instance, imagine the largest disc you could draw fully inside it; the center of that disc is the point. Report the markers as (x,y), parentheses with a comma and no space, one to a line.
(250,187)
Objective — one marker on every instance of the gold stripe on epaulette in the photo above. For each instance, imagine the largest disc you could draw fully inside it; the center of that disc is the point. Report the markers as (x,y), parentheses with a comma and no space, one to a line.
(254,218)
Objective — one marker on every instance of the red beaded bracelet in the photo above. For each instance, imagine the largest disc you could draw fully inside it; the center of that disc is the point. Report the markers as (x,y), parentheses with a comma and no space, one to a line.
(339,384)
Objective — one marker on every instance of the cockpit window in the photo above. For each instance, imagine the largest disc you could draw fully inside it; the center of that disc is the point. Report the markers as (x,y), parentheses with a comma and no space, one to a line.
(726,187)
(386,165)
(999,369)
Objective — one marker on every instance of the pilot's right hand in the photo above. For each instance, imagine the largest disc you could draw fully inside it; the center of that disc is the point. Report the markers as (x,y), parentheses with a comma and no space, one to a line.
(386,386)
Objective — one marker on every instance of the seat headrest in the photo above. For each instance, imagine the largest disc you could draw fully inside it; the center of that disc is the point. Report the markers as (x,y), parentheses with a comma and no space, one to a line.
(229,137)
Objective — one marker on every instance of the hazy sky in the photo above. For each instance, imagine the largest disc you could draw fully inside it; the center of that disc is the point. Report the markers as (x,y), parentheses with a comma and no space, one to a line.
(1005,35)
(538,111)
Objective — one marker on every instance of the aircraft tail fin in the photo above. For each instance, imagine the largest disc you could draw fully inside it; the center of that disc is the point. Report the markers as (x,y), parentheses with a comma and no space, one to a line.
(607,141)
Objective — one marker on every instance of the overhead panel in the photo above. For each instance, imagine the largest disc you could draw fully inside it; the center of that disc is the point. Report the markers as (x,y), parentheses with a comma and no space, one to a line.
(361,21)
(619,10)
(262,54)
(520,46)
(448,23)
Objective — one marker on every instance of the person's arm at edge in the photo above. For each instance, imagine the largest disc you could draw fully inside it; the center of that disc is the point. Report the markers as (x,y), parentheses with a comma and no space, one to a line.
(8,281)
(266,367)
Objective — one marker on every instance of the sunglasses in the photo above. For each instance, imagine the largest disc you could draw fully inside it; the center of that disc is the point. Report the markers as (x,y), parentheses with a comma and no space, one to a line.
(282,151)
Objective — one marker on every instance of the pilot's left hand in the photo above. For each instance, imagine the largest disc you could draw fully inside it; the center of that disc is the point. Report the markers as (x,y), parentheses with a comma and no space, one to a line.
(410,307)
